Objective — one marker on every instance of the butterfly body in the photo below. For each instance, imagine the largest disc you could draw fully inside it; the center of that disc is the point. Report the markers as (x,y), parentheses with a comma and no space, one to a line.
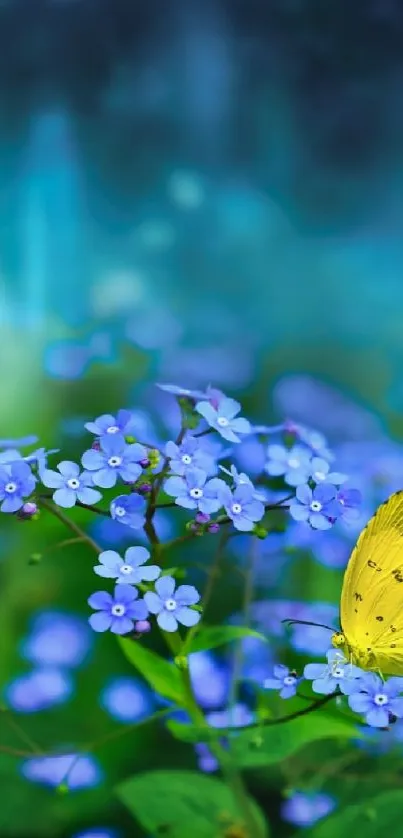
(371,608)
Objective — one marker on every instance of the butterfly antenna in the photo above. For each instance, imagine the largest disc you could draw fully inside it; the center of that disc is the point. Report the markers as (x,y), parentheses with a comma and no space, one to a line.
(308,623)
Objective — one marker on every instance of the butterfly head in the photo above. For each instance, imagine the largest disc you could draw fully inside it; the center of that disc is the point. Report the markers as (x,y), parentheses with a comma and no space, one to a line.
(339,640)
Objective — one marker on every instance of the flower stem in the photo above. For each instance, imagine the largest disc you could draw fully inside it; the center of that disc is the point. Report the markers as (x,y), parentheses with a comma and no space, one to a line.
(54,510)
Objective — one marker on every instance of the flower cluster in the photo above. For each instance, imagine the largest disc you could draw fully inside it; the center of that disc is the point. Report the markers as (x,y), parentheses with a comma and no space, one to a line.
(377,700)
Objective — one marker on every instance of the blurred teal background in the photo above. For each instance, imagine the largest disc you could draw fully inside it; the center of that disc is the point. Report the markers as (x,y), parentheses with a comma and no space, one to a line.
(205,193)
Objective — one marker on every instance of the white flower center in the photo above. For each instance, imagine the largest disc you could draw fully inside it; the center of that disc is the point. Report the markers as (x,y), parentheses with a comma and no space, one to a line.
(338,672)
(126,569)
(114,462)
(120,512)
(73,483)
(196,493)
(236,508)
(222,421)
(118,610)
(170,604)
(10,488)
(113,429)
(380,699)
(289,680)
(316,506)
(186,459)
(319,475)
(294,462)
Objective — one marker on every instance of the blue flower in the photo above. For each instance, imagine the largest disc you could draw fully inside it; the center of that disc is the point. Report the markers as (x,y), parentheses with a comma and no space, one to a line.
(108,424)
(127,699)
(172,607)
(223,418)
(77,771)
(115,459)
(338,673)
(57,639)
(18,443)
(129,510)
(129,570)
(182,392)
(39,690)
(349,501)
(187,456)
(16,483)
(241,479)
(239,715)
(319,507)
(377,699)
(304,809)
(70,485)
(194,491)
(242,507)
(284,680)
(294,464)
(117,612)
(320,473)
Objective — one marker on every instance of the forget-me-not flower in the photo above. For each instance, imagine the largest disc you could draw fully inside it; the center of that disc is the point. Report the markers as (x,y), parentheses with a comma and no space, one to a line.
(242,506)
(318,506)
(223,418)
(129,510)
(305,809)
(294,464)
(188,455)
(131,570)
(194,491)
(285,681)
(377,699)
(71,485)
(172,606)
(108,424)
(117,612)
(114,459)
(16,483)
(338,672)
(320,473)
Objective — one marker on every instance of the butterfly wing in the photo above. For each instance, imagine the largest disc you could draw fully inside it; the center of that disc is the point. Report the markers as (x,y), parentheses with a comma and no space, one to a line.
(371,608)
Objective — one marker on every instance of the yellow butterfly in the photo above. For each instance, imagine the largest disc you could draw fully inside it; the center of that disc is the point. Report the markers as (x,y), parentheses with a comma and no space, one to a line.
(371,608)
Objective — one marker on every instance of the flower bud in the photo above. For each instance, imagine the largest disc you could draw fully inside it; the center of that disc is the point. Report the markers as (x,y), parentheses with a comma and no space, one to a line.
(142,627)
(154,458)
(144,488)
(202,518)
(145,463)
(96,445)
(28,510)
(181,662)
(214,527)
(260,531)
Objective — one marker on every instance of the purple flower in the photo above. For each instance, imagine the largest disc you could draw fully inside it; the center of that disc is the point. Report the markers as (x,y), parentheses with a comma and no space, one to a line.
(284,680)
(129,570)
(70,485)
(117,612)
(304,809)
(16,483)
(294,464)
(115,459)
(338,673)
(129,510)
(194,491)
(108,424)
(242,507)
(172,607)
(377,699)
(189,455)
(317,506)
(222,418)
(320,473)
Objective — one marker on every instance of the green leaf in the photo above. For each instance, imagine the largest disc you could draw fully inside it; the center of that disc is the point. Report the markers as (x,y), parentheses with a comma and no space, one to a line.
(209,637)
(162,676)
(183,804)
(380,815)
(269,744)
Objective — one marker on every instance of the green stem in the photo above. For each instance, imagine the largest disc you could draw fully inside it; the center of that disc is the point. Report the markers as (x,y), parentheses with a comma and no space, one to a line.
(54,510)
(223,757)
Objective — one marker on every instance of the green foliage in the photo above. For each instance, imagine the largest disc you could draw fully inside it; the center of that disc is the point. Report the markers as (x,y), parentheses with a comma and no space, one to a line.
(183,804)
(163,677)
(269,744)
(210,637)
(194,733)
(380,815)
